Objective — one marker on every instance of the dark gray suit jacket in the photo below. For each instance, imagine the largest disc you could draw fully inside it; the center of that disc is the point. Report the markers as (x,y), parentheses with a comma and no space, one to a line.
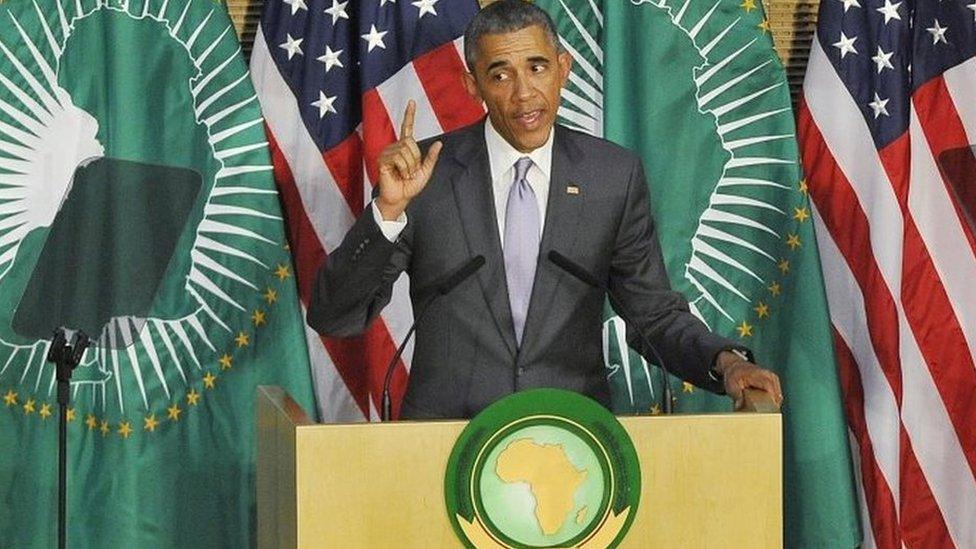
(466,356)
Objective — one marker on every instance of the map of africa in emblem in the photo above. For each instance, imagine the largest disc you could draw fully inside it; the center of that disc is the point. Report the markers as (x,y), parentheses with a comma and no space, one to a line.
(543,468)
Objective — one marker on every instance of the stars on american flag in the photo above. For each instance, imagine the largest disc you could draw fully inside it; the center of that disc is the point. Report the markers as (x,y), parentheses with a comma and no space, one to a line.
(331,59)
(296,5)
(338,11)
(883,60)
(325,104)
(884,50)
(425,7)
(374,38)
(292,46)
(879,106)
(890,11)
(331,52)
(938,33)
(845,45)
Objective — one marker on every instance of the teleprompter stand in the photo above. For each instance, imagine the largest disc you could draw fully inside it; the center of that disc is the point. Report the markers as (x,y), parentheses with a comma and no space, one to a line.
(66,358)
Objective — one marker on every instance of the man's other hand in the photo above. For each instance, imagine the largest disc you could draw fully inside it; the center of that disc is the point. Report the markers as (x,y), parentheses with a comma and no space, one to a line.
(402,172)
(740,374)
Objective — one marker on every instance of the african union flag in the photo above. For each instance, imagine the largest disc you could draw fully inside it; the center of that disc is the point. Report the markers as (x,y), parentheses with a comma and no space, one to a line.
(696,88)
(137,204)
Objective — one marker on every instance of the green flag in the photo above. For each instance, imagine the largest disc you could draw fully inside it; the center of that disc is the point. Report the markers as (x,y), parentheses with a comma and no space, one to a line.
(697,90)
(137,204)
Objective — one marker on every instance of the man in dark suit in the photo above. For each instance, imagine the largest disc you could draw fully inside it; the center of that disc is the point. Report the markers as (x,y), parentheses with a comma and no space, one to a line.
(511,188)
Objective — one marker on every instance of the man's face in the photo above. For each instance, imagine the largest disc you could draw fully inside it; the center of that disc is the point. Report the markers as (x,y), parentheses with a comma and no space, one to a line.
(519,76)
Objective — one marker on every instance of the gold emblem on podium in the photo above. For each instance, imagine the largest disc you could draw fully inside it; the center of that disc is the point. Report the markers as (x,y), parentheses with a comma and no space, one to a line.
(543,468)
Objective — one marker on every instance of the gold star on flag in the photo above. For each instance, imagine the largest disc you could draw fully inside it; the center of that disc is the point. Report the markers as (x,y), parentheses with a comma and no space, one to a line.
(226,362)
(242,339)
(764,26)
(258,317)
(748,5)
(784,266)
(282,272)
(70,415)
(149,423)
(803,186)
(91,421)
(174,412)
(774,289)
(762,310)
(45,411)
(793,241)
(208,380)
(687,387)
(29,407)
(192,397)
(801,214)
(655,409)
(10,399)
(270,296)
(104,428)
(124,429)
(745,329)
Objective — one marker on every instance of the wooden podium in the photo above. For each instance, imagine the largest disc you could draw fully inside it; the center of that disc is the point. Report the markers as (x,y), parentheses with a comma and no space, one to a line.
(707,480)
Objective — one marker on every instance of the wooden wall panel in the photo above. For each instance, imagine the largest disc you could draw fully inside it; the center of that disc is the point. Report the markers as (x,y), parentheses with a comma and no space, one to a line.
(246,14)
(792,23)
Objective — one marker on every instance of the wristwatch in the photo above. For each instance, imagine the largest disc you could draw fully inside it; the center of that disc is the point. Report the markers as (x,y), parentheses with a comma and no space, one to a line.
(717,376)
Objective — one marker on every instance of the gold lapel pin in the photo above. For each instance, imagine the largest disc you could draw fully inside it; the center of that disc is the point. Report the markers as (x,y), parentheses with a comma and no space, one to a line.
(572,189)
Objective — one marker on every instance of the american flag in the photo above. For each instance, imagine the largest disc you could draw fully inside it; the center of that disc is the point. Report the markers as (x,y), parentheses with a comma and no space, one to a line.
(333,78)
(886,122)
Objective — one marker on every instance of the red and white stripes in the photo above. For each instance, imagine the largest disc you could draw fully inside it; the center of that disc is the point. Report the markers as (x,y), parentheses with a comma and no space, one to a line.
(900,271)
(322,194)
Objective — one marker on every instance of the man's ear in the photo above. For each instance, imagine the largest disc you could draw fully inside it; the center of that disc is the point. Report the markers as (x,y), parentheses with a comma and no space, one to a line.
(565,65)
(472,86)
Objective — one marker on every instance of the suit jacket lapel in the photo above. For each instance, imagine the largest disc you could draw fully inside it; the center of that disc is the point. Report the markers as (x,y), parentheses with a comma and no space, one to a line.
(563,213)
(476,205)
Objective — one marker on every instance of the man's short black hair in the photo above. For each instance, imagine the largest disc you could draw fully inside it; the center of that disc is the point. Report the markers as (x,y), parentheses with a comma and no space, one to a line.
(502,17)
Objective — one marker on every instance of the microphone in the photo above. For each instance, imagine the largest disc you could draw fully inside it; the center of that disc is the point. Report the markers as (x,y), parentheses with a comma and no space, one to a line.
(589,279)
(460,275)
(444,287)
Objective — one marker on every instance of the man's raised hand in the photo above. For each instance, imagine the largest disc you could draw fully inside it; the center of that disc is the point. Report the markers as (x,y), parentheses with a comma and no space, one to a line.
(403,174)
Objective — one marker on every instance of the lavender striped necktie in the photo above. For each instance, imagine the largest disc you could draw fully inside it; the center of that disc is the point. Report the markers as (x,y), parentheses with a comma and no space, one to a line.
(522,226)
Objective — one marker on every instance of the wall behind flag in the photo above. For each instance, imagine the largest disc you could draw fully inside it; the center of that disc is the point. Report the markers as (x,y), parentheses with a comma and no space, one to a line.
(246,14)
(792,23)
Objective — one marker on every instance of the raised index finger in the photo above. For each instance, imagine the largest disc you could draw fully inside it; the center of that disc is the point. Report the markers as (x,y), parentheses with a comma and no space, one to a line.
(406,129)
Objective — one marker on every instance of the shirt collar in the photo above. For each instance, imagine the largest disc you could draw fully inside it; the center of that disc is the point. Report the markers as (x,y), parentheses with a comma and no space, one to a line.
(502,155)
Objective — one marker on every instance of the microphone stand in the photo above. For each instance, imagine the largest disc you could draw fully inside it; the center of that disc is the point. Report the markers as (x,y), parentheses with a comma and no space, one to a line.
(581,274)
(66,358)
(443,288)
(386,413)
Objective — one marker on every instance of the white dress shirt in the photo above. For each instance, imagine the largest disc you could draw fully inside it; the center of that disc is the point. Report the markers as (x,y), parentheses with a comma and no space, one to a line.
(501,158)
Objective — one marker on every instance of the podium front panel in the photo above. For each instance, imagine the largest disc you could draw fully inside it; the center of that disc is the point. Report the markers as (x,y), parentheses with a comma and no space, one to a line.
(707,481)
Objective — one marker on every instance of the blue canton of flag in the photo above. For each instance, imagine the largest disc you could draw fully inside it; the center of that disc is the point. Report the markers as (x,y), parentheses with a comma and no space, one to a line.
(884,51)
(330,53)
